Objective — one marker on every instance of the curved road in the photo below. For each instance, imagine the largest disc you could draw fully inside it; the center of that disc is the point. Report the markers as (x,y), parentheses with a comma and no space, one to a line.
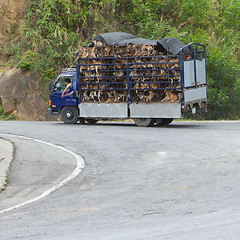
(176,182)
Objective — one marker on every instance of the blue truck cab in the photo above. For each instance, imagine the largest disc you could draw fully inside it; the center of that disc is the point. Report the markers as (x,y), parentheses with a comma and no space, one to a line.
(65,106)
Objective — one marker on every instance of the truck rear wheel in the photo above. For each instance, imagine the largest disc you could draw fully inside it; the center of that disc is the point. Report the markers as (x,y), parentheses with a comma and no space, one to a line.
(69,115)
(144,122)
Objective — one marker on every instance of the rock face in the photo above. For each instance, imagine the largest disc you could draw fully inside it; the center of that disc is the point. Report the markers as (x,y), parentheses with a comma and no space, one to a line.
(19,91)
(11,18)
(19,94)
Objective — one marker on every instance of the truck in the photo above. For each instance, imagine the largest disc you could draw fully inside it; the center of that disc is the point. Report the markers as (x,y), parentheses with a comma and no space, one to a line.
(120,76)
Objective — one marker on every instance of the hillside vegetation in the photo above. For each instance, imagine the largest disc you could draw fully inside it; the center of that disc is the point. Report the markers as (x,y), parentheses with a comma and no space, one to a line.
(56,28)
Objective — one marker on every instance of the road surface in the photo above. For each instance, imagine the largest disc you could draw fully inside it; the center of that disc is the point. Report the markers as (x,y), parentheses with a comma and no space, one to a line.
(176,182)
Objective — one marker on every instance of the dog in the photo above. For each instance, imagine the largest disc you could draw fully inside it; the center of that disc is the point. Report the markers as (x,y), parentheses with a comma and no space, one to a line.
(86,52)
(171,97)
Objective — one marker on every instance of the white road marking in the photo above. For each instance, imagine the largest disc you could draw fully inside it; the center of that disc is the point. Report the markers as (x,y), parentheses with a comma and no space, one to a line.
(75,173)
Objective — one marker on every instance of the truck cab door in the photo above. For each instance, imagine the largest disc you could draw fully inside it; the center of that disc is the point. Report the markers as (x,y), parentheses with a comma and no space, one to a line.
(69,98)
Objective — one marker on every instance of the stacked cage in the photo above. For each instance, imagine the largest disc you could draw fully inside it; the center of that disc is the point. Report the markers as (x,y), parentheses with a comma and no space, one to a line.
(132,73)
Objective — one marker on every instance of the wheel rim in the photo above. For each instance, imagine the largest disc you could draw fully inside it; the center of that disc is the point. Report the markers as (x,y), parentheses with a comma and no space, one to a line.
(69,115)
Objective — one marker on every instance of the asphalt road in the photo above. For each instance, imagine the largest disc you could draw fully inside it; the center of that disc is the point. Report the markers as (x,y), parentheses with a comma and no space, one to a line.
(176,182)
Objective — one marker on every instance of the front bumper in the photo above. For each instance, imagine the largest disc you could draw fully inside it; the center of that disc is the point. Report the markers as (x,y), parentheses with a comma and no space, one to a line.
(51,112)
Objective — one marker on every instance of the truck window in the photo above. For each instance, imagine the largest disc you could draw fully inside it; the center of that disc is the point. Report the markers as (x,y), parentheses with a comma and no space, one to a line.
(60,84)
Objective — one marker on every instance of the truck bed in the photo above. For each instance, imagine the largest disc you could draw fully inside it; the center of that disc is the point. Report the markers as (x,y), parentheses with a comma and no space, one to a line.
(135,77)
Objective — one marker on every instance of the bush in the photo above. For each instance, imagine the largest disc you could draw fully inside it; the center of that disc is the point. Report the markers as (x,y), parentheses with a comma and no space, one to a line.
(197,13)
(28,61)
(223,86)
(53,28)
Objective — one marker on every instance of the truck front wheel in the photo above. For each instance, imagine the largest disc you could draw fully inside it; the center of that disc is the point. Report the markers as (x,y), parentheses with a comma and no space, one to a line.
(144,122)
(69,115)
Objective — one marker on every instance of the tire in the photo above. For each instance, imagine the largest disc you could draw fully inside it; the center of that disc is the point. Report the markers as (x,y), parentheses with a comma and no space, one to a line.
(91,120)
(164,121)
(144,122)
(69,115)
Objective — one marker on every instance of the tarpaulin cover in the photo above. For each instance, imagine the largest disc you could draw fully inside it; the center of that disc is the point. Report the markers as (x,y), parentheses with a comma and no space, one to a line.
(172,45)
(113,38)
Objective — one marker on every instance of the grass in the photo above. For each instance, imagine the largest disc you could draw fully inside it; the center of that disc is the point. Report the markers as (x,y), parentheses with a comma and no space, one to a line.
(4,116)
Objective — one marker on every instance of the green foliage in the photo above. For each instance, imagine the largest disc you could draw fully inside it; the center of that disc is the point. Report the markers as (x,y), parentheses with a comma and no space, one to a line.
(12,50)
(231,13)
(102,17)
(4,116)
(197,13)
(28,60)
(52,33)
(223,86)
(56,18)
(147,19)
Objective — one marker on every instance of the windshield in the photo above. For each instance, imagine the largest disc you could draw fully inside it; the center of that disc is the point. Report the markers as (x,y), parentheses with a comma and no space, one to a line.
(60,84)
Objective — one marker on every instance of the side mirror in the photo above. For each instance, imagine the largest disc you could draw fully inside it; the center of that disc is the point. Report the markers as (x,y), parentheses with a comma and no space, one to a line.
(50,86)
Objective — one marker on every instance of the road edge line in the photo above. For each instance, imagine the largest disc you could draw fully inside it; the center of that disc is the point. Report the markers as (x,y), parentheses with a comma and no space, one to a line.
(74,174)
